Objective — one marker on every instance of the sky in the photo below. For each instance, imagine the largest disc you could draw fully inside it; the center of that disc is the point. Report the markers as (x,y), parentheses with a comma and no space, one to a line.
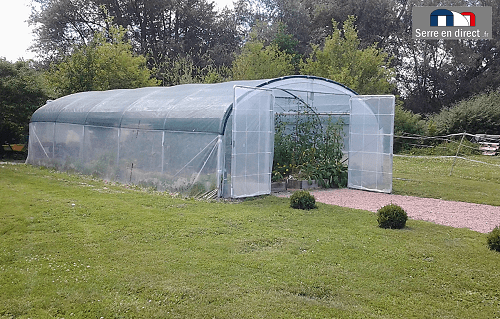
(16,36)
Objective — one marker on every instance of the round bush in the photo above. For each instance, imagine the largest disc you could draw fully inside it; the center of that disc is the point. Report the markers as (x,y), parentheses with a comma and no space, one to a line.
(494,239)
(302,200)
(391,216)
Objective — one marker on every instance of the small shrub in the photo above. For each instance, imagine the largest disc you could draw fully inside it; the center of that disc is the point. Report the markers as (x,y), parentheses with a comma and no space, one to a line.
(302,200)
(494,239)
(392,216)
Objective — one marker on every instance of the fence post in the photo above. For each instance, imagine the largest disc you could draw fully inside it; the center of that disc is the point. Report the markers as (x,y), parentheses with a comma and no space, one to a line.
(456,155)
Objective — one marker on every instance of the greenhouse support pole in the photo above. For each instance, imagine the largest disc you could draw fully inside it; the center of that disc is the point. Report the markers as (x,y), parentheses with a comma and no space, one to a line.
(118,148)
(162,150)
(82,144)
(220,163)
(54,141)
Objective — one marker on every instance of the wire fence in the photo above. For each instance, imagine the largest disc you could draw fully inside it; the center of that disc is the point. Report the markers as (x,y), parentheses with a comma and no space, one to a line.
(460,146)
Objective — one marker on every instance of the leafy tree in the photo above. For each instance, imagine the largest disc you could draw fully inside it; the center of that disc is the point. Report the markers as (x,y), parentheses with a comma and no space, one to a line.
(162,30)
(268,17)
(429,74)
(190,37)
(217,75)
(376,20)
(177,70)
(366,71)
(100,65)
(60,25)
(288,44)
(434,74)
(260,62)
(310,20)
(21,93)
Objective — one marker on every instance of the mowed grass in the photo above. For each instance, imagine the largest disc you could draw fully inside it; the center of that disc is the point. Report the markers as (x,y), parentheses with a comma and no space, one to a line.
(74,247)
(429,177)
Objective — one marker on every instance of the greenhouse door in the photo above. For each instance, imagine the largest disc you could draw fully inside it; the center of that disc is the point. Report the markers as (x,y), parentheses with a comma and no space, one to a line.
(371,131)
(252,142)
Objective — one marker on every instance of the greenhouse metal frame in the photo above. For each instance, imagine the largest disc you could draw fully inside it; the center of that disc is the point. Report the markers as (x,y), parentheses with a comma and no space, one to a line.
(215,139)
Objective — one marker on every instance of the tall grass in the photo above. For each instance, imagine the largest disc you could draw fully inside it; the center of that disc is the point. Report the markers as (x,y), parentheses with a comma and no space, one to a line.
(74,247)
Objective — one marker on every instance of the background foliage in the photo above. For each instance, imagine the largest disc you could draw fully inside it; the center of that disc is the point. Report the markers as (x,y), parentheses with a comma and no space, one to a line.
(428,75)
(191,42)
(100,65)
(477,115)
(366,71)
(21,92)
(259,62)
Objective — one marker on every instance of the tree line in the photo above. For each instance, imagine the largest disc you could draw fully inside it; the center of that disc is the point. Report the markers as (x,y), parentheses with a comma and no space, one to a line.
(364,44)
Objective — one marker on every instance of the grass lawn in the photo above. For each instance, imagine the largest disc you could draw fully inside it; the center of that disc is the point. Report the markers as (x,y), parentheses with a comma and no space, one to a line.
(74,247)
(430,177)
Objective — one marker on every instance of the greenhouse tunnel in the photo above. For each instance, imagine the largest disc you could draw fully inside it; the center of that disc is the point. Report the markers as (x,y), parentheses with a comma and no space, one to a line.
(213,139)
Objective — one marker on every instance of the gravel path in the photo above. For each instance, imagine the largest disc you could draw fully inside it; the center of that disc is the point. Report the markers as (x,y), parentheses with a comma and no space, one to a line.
(480,218)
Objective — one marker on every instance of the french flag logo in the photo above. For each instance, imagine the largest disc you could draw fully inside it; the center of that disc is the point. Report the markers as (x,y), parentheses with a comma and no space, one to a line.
(448,18)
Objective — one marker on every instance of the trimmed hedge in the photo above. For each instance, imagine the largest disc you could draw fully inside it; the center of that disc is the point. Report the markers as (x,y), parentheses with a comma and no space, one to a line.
(493,239)
(302,200)
(391,216)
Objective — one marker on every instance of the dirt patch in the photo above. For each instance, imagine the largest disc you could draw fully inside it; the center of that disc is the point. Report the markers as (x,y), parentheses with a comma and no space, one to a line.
(477,217)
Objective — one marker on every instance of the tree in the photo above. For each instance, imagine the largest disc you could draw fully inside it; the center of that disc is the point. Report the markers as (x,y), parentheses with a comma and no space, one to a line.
(310,20)
(60,25)
(435,74)
(161,30)
(21,93)
(376,20)
(288,44)
(191,39)
(341,59)
(259,62)
(100,65)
